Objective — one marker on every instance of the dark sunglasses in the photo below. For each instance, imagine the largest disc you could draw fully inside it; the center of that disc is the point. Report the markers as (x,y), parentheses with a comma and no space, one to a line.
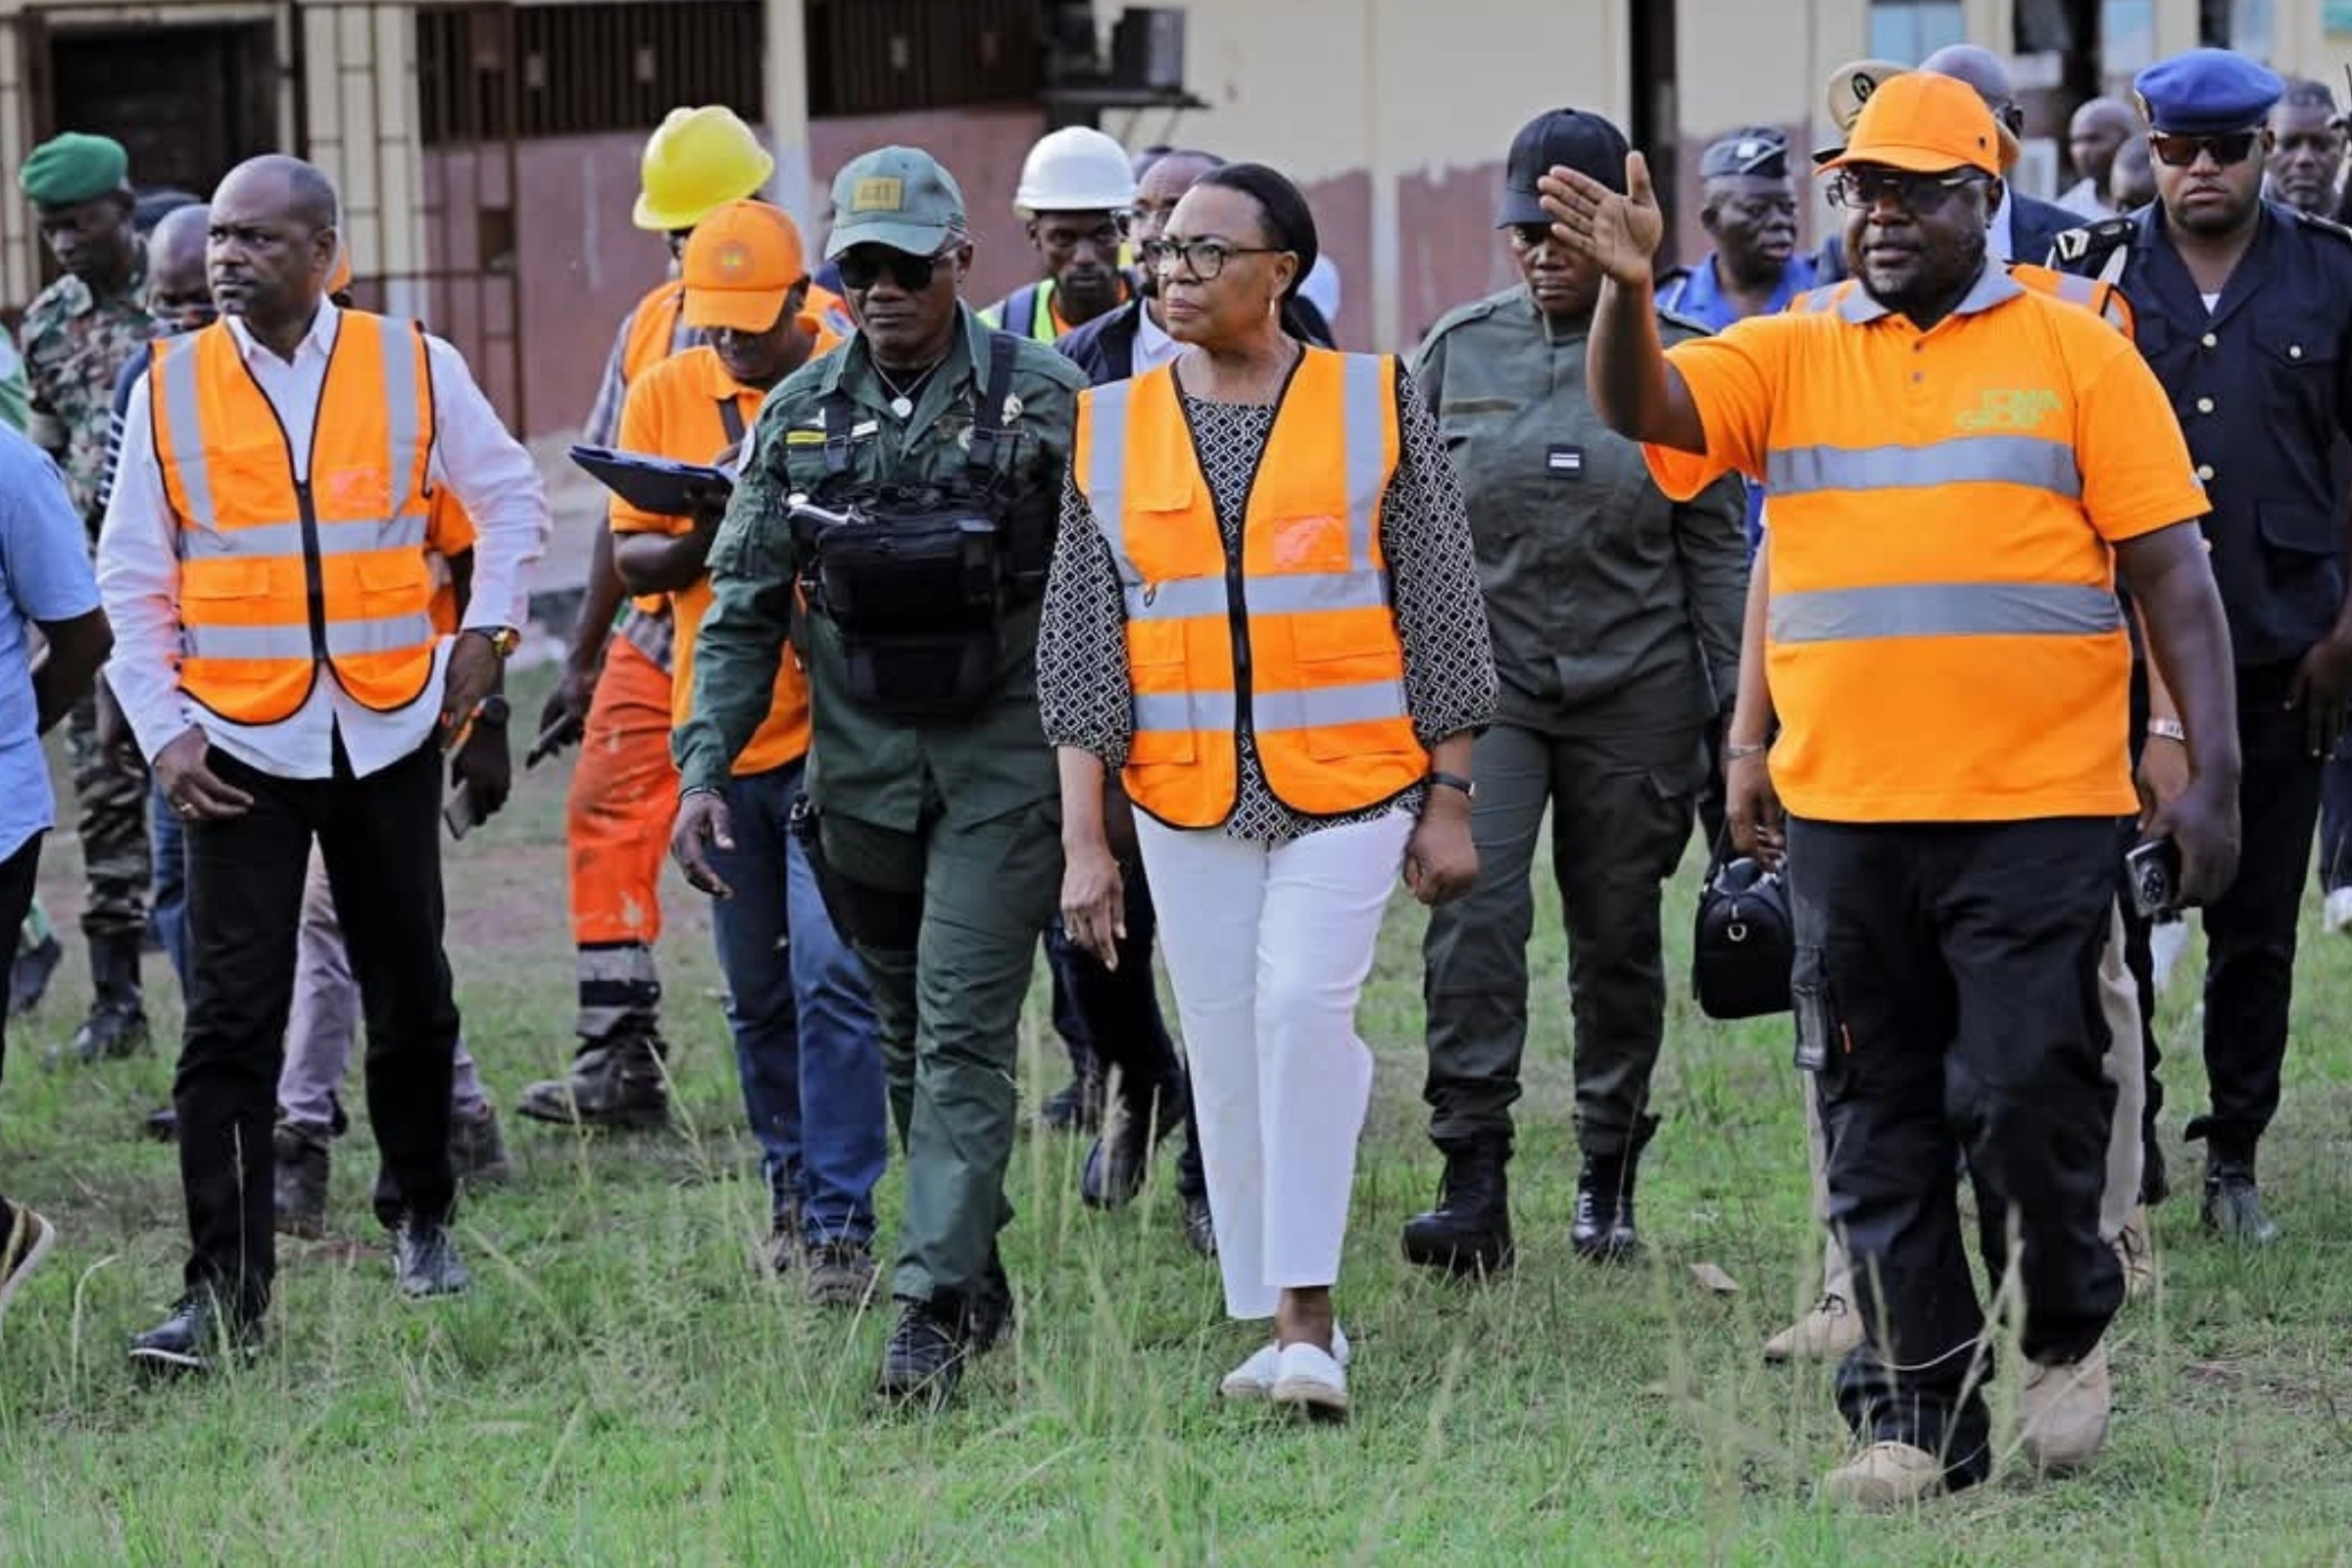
(863,267)
(1862,189)
(2179,152)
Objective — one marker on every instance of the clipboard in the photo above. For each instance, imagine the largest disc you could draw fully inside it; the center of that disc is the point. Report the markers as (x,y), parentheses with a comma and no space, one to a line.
(656,485)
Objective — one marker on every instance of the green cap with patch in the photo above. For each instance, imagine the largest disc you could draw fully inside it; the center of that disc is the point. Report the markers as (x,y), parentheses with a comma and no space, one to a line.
(898,197)
(74,167)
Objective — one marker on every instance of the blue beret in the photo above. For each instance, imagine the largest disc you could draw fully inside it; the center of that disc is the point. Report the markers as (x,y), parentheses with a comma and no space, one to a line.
(2205,92)
(74,167)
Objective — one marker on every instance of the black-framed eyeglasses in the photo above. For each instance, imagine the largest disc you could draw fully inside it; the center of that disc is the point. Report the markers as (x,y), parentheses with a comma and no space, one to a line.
(1863,189)
(864,265)
(2180,152)
(1205,257)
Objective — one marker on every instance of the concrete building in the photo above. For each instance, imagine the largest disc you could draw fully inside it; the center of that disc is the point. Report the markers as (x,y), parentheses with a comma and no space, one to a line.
(487,150)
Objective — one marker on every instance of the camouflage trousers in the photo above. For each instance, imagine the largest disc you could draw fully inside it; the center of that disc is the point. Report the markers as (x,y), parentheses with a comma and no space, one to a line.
(110,796)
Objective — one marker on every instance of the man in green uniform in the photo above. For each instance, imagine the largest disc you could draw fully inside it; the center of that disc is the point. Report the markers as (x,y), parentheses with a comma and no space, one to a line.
(78,334)
(1616,618)
(938,450)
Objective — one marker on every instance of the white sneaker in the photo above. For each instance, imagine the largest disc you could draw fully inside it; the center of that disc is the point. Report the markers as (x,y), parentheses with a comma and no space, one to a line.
(2338,913)
(1310,1380)
(1255,1379)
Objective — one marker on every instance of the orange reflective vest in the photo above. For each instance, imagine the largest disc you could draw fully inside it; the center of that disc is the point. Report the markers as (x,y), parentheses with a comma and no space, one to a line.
(280,577)
(2103,300)
(1296,639)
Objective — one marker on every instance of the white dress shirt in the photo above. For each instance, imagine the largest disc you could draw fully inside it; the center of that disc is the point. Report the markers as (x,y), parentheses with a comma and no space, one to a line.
(1153,347)
(138,565)
(2087,201)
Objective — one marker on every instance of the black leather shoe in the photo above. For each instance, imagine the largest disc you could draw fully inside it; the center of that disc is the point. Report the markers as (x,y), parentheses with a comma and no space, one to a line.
(196,1338)
(2233,1205)
(1121,1157)
(162,1125)
(1469,1231)
(425,1261)
(1603,1230)
(1200,1229)
(28,976)
(924,1358)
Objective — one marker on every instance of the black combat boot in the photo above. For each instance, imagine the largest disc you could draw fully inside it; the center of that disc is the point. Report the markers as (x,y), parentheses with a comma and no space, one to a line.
(116,1026)
(1603,1231)
(923,1362)
(1469,1231)
(616,1082)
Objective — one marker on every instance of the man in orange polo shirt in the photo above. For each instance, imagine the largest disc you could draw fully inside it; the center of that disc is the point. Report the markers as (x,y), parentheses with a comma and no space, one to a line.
(804,1025)
(1959,467)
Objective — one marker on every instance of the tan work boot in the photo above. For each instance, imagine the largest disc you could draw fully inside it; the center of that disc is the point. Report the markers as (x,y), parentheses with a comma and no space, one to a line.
(2063,1410)
(2136,1251)
(1885,1477)
(1828,1333)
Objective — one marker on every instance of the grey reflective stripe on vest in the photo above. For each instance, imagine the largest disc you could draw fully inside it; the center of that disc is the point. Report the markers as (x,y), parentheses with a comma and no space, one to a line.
(1288,594)
(1945,610)
(2020,459)
(1270,712)
(1323,706)
(357,536)
(345,639)
(175,365)
(402,345)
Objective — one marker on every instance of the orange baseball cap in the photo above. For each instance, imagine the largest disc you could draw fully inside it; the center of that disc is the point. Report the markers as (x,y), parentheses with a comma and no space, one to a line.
(1925,125)
(739,266)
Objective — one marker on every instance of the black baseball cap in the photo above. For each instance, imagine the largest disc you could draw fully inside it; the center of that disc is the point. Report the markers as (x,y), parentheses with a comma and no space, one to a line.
(1573,138)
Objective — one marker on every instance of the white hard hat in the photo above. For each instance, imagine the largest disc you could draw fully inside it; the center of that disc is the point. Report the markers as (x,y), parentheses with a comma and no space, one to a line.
(1076,169)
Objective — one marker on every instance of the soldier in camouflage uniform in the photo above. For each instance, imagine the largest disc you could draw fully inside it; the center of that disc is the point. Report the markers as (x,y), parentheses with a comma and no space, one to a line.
(76,335)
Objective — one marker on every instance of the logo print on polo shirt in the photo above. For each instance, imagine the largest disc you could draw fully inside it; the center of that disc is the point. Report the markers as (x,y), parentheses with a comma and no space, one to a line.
(2010,409)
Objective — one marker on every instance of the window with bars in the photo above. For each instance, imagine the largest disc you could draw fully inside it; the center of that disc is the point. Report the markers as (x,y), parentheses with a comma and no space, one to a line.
(484,73)
(880,57)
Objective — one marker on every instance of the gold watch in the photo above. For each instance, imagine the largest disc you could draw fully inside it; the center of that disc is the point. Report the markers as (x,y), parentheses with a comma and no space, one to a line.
(504,640)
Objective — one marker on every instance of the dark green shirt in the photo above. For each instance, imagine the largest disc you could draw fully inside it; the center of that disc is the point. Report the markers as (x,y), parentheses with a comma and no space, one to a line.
(878,770)
(1613,610)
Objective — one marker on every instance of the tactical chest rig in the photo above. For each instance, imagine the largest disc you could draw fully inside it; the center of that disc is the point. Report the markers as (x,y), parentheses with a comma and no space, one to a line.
(918,579)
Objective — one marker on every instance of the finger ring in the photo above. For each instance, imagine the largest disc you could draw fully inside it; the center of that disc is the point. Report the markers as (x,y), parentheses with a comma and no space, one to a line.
(184,807)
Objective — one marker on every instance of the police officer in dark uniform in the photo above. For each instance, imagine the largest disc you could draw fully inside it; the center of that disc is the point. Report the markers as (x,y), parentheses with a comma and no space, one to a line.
(905,490)
(2244,312)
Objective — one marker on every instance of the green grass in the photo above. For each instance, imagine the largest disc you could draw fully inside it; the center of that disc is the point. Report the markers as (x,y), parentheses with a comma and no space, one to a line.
(623,1386)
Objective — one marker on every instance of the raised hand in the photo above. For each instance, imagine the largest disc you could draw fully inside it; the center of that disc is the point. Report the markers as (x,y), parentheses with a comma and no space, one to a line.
(1621,233)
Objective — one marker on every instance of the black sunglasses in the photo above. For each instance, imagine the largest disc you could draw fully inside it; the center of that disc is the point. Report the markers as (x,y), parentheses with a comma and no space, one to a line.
(861,268)
(2180,152)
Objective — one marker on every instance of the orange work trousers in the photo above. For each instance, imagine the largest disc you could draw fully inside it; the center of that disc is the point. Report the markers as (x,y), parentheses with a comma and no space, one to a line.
(623,803)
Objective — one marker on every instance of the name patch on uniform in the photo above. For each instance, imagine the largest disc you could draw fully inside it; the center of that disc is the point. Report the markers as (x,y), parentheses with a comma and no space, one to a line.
(1564,461)
(882,194)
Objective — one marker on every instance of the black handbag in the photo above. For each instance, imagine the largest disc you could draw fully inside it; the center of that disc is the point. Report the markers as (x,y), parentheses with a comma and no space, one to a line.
(1743,941)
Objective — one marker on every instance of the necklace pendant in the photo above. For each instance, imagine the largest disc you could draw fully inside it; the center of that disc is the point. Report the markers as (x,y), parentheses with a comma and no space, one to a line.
(902,407)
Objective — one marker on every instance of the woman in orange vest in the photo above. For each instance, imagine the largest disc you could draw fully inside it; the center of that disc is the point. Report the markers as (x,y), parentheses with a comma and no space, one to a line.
(1264,612)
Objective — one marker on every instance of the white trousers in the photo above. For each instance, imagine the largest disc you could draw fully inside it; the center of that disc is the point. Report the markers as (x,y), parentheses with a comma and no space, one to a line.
(1268,949)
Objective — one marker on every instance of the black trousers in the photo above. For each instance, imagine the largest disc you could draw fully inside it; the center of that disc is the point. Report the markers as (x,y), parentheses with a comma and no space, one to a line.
(2251,932)
(380,839)
(16,875)
(1115,1015)
(1961,966)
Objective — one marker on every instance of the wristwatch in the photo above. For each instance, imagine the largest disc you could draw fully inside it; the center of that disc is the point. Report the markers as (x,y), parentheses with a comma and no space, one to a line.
(1453,781)
(504,640)
(2168,729)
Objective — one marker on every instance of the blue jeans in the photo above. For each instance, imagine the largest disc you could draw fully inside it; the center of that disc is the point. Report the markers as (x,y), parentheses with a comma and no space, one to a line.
(169,909)
(805,1038)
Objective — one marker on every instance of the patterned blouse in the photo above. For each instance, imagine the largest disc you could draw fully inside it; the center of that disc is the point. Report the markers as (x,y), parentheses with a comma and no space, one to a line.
(1450,684)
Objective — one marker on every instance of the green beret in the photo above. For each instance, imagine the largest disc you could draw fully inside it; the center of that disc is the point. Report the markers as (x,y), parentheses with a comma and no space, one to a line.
(74,167)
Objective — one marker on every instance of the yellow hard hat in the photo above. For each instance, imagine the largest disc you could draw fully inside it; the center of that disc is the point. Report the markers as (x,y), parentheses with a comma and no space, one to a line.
(697,162)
